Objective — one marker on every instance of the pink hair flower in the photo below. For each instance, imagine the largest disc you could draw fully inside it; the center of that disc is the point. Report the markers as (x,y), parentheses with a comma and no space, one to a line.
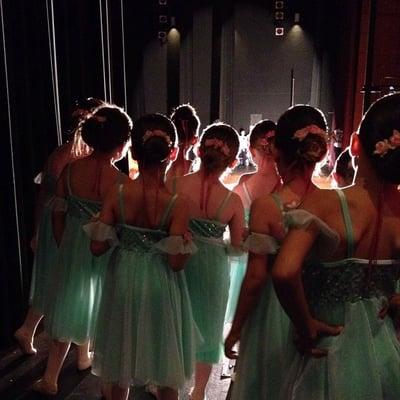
(218,145)
(156,133)
(302,133)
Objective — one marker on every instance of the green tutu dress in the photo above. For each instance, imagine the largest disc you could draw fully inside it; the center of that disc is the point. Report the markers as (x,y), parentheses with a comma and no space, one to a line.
(238,266)
(46,251)
(363,362)
(266,342)
(77,276)
(208,278)
(145,332)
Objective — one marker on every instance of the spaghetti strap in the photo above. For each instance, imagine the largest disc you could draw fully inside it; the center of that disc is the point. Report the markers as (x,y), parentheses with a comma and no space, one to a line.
(347,223)
(278,201)
(69,179)
(246,192)
(167,211)
(222,206)
(121,203)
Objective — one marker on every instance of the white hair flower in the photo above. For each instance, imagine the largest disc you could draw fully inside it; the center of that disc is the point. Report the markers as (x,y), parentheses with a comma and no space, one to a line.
(302,133)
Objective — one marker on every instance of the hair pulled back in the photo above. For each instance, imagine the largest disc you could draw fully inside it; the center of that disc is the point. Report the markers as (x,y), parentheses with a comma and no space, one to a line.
(106,128)
(260,129)
(219,145)
(311,148)
(378,133)
(153,137)
(186,123)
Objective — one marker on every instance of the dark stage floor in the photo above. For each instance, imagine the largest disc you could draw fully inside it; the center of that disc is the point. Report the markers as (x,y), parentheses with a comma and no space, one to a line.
(18,373)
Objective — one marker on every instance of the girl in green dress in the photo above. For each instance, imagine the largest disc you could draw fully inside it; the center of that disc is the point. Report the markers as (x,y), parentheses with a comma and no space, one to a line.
(348,290)
(212,208)
(76,277)
(43,244)
(250,187)
(145,332)
(260,323)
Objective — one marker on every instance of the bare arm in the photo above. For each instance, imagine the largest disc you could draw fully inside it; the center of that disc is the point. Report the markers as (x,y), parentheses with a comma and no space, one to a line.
(287,278)
(236,224)
(108,217)
(179,227)
(254,280)
(58,217)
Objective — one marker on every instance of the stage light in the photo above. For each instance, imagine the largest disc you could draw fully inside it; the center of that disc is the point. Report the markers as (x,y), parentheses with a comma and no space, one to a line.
(162,19)
(296,18)
(279,31)
(279,15)
(278,5)
(162,2)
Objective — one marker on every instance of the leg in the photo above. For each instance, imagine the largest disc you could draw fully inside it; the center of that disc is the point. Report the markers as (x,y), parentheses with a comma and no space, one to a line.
(57,354)
(119,393)
(166,393)
(202,374)
(26,332)
(84,356)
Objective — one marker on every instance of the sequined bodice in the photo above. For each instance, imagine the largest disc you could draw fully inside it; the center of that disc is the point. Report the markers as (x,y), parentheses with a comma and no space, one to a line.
(349,280)
(207,228)
(138,239)
(82,208)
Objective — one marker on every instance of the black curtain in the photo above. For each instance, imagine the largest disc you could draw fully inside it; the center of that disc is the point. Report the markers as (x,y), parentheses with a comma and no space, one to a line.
(28,115)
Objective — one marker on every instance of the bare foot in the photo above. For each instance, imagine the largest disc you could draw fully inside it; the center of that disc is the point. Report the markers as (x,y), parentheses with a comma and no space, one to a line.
(43,387)
(24,342)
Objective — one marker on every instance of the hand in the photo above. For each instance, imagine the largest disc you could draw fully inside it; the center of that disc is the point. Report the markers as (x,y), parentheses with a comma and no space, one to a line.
(392,308)
(306,342)
(230,342)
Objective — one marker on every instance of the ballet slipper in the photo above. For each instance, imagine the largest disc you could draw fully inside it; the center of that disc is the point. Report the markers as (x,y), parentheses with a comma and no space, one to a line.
(43,387)
(86,363)
(24,342)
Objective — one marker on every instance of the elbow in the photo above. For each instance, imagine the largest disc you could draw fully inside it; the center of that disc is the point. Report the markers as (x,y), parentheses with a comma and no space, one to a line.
(284,276)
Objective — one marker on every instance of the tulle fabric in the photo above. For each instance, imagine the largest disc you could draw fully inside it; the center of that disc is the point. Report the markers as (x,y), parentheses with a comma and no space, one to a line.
(99,231)
(208,277)
(77,279)
(327,240)
(145,331)
(45,255)
(363,362)
(266,344)
(265,352)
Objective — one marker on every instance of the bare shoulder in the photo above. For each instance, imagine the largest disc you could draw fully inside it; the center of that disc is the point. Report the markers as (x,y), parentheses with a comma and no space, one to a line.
(244,178)
(322,203)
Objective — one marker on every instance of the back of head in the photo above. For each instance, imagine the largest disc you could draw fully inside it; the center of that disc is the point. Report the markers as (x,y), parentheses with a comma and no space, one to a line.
(153,137)
(219,145)
(301,136)
(262,130)
(380,137)
(186,122)
(344,167)
(106,128)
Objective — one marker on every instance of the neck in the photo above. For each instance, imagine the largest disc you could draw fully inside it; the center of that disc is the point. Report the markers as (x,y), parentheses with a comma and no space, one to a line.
(299,183)
(152,176)
(366,176)
(101,157)
(267,168)
(213,176)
